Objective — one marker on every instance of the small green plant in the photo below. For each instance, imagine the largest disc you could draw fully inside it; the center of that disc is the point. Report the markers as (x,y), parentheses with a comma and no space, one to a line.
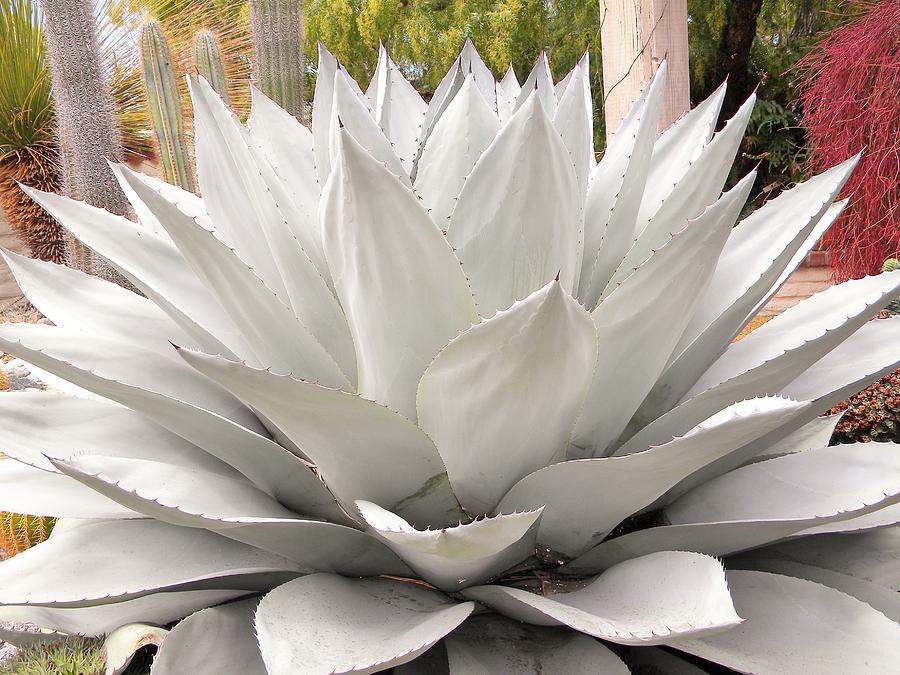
(76,656)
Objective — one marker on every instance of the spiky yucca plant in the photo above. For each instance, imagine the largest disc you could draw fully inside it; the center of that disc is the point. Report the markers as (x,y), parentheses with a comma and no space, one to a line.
(489,420)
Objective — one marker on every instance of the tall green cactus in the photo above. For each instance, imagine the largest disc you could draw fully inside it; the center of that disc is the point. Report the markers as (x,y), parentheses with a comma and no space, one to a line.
(208,59)
(276,27)
(164,102)
(85,113)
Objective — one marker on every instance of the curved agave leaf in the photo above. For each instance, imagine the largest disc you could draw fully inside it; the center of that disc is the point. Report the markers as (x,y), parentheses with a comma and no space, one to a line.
(144,216)
(281,337)
(378,237)
(99,620)
(323,105)
(636,335)
(236,511)
(493,644)
(444,94)
(120,646)
(470,62)
(815,434)
(473,396)
(890,515)
(72,299)
(458,139)
(533,216)
(455,557)
(656,599)
(615,190)
(586,499)
(539,80)
(27,638)
(327,624)
(573,121)
(27,489)
(69,571)
(217,640)
(61,350)
(153,265)
(356,444)
(796,340)
(864,640)
(288,147)
(508,90)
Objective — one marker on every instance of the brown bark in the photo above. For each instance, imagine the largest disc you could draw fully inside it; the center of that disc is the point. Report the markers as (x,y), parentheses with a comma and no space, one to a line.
(733,58)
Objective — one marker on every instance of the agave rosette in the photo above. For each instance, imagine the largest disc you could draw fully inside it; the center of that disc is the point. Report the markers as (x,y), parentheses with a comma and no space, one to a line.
(427,387)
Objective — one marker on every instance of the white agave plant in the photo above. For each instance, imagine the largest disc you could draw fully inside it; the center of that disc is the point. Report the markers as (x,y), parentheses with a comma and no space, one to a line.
(474,400)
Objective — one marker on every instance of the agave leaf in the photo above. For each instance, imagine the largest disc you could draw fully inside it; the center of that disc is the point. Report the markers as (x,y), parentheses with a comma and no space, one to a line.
(356,444)
(378,237)
(288,147)
(144,216)
(99,620)
(539,80)
(399,110)
(508,90)
(153,265)
(765,246)
(69,570)
(188,201)
(656,599)
(615,190)
(815,434)
(444,94)
(494,644)
(475,394)
(323,104)
(533,217)
(883,599)
(36,492)
(573,121)
(586,499)
(280,337)
(327,624)
(237,512)
(216,640)
(796,340)
(636,334)
(700,186)
(60,350)
(350,114)
(458,139)
(120,646)
(29,639)
(72,299)
(455,557)
(872,556)
(470,62)
(862,640)
(890,515)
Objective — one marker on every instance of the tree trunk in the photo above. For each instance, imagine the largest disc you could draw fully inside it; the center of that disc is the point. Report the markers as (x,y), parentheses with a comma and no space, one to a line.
(733,58)
(85,114)
(276,27)
(635,36)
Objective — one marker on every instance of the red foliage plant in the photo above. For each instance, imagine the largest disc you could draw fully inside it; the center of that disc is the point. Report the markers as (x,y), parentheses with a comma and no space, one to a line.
(849,94)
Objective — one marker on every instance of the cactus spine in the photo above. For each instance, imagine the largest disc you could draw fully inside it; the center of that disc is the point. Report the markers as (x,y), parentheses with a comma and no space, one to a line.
(19,532)
(88,133)
(208,59)
(164,102)
(277,32)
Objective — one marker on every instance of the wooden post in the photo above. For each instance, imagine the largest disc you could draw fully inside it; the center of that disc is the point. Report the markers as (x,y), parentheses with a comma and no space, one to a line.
(636,35)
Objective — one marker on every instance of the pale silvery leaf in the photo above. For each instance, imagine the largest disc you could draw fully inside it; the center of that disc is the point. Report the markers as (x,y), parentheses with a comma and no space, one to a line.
(378,239)
(890,515)
(36,492)
(474,396)
(399,110)
(861,640)
(636,334)
(455,557)
(144,216)
(507,92)
(437,106)
(216,640)
(615,190)
(356,444)
(323,104)
(101,619)
(283,335)
(586,499)
(69,570)
(572,120)
(27,638)
(153,265)
(539,80)
(328,624)
(494,644)
(72,299)
(815,434)
(458,139)
(656,599)
(120,646)
(521,200)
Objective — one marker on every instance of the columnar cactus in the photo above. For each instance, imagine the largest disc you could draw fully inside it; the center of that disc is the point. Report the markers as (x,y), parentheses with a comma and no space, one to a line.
(276,27)
(208,59)
(85,112)
(165,106)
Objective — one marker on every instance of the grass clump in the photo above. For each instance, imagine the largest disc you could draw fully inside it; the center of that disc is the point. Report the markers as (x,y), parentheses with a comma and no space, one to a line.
(75,656)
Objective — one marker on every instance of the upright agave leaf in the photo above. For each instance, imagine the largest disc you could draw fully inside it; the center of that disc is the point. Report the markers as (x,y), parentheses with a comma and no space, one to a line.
(425,389)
